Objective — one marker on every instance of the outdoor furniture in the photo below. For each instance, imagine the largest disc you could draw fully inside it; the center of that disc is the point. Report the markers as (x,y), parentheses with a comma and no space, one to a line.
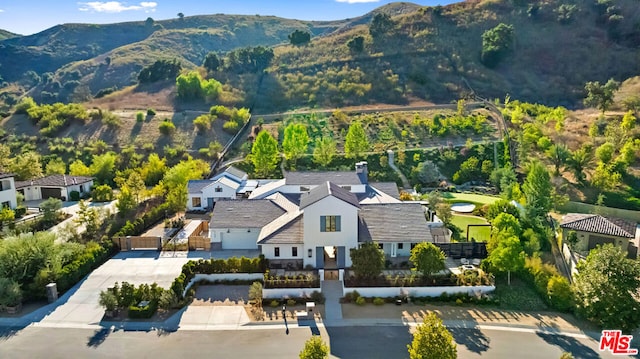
(464,261)
(475,261)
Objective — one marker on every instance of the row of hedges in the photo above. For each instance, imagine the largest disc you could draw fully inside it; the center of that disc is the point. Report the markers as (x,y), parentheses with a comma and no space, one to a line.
(413,280)
(147,220)
(213,266)
(93,257)
(316,297)
(300,281)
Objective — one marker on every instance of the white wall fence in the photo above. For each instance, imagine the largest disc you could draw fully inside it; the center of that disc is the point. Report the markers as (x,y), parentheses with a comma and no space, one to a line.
(222,276)
(571,258)
(419,291)
(278,293)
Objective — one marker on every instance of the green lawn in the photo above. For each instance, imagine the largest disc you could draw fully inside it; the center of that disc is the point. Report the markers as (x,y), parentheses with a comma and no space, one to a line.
(481,234)
(469,197)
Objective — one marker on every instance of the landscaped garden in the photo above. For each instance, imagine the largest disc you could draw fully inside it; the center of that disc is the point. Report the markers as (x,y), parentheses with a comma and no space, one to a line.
(480,234)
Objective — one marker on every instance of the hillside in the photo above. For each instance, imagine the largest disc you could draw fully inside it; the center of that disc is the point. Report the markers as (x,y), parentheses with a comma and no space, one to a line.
(425,54)
(4,34)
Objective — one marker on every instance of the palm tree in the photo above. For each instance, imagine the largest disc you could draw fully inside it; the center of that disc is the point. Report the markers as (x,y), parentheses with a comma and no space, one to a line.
(581,159)
(558,154)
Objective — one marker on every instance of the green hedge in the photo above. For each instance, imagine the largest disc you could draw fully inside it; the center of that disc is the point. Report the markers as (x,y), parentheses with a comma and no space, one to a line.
(213,266)
(136,312)
(94,255)
(147,220)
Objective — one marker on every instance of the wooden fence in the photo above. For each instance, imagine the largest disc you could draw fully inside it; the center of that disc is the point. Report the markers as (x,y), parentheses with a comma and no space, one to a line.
(133,243)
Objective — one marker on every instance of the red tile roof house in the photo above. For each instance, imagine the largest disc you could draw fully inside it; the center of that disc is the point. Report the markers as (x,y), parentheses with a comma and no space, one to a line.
(594,230)
(54,186)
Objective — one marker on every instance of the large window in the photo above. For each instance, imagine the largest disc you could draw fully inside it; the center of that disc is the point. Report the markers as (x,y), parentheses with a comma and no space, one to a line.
(195,202)
(5,185)
(329,223)
(218,189)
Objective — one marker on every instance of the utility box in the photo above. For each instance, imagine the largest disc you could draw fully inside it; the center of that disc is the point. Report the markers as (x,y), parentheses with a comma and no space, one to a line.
(310,308)
(52,292)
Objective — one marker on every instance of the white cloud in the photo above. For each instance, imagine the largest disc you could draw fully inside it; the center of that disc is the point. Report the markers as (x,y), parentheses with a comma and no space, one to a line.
(357,1)
(1,10)
(116,6)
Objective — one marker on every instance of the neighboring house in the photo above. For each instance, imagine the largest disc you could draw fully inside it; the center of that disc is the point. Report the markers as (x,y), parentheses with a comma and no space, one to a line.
(594,230)
(302,221)
(230,184)
(8,191)
(54,186)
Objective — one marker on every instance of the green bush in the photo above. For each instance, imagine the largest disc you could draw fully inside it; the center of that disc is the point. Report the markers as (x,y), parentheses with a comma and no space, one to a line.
(274,303)
(139,117)
(361,301)
(136,312)
(378,301)
(317,297)
(151,112)
(102,193)
(291,302)
(167,127)
(10,292)
(74,196)
(231,127)
(94,255)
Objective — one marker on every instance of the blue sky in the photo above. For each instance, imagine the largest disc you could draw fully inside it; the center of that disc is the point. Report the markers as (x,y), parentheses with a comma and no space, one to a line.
(31,16)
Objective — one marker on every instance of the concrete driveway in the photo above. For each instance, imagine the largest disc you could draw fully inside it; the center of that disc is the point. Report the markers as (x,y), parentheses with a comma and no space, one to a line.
(80,307)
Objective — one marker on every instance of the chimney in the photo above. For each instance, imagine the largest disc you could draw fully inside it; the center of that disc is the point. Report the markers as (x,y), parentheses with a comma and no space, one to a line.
(362,171)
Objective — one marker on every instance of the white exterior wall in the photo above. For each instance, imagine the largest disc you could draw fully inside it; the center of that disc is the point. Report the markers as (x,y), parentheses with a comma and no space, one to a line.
(285,251)
(210,192)
(32,193)
(235,238)
(9,194)
(222,276)
(418,291)
(279,293)
(86,188)
(347,237)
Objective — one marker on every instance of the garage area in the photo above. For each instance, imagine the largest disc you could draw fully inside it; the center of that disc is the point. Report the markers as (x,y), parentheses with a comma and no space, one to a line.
(51,192)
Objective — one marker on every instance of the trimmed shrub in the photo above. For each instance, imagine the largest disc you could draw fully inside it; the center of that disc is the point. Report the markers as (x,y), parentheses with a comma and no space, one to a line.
(378,301)
(361,301)
(274,303)
(167,127)
(74,196)
(291,302)
(151,112)
(139,117)
(136,312)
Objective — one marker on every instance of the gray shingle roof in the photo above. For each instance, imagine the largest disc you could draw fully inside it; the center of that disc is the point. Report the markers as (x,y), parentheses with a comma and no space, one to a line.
(244,213)
(397,222)
(6,175)
(390,188)
(598,224)
(313,178)
(325,190)
(236,172)
(196,186)
(287,228)
(54,181)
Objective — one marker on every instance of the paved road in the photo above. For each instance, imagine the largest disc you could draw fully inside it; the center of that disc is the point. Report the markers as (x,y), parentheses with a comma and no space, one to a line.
(346,342)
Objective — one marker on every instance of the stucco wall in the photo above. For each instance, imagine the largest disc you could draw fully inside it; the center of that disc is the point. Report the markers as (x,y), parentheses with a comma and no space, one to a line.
(9,194)
(313,237)
(285,251)
(223,276)
(235,238)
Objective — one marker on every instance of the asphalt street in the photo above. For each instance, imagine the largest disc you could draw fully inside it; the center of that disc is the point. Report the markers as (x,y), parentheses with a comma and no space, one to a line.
(346,342)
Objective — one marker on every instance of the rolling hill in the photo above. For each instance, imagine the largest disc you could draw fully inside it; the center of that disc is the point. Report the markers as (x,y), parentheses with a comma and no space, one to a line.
(427,54)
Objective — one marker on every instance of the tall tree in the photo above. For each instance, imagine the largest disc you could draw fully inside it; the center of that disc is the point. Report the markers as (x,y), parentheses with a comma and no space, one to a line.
(368,260)
(324,150)
(26,166)
(356,141)
(381,25)
(496,43)
(211,62)
(600,95)
(507,256)
(103,168)
(296,141)
(537,190)
(299,37)
(56,167)
(153,170)
(264,153)
(606,288)
(314,348)
(175,181)
(432,340)
(427,258)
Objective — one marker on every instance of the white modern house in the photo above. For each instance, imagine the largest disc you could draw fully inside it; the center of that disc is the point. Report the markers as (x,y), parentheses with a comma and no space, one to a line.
(315,218)
(54,186)
(8,191)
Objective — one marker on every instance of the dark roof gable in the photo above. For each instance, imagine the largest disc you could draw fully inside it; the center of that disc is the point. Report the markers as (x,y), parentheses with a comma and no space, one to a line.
(325,190)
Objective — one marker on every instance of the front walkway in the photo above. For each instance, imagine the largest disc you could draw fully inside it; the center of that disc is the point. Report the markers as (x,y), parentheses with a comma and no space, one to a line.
(332,291)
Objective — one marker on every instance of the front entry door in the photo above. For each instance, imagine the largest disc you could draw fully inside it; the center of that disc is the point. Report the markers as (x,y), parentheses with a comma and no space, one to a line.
(319,257)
